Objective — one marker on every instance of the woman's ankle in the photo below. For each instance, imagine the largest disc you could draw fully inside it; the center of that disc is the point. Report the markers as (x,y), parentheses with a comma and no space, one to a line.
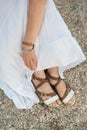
(53,71)
(40,74)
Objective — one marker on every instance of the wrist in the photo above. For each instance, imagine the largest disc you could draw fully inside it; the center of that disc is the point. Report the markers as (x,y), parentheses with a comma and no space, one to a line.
(27,46)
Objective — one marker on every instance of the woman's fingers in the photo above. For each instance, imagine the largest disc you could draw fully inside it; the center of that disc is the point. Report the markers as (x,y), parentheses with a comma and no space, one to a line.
(27,63)
(35,61)
(30,60)
(33,64)
(30,64)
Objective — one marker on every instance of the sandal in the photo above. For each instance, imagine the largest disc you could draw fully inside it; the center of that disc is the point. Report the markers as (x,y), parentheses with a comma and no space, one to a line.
(53,96)
(68,97)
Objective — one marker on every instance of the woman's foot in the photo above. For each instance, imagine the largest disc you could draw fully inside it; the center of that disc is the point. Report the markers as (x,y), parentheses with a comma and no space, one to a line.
(44,87)
(61,86)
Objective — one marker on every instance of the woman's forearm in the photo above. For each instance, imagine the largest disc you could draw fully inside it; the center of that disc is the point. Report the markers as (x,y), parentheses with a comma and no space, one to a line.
(35,17)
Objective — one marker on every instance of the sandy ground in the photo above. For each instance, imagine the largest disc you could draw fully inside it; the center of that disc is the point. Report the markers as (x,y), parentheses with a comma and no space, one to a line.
(40,117)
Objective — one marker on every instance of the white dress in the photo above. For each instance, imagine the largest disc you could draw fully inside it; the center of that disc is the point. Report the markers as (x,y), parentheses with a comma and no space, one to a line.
(54,46)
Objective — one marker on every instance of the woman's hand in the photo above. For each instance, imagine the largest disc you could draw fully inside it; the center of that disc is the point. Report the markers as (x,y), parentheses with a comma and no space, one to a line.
(30,59)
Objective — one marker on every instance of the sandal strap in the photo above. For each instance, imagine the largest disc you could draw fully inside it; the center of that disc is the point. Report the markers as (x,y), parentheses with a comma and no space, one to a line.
(51,100)
(68,97)
(37,78)
(45,94)
(52,77)
(42,81)
(58,79)
(69,93)
(66,93)
(50,97)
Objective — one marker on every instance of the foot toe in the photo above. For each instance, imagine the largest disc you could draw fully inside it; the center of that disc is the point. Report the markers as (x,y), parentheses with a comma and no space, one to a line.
(71,101)
(58,102)
(55,104)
